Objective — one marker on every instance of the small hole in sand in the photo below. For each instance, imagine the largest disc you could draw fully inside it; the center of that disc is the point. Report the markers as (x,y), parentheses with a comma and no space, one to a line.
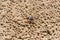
(53,31)
(1,24)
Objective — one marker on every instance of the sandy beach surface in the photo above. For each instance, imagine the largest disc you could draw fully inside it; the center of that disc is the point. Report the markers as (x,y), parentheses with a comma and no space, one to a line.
(15,23)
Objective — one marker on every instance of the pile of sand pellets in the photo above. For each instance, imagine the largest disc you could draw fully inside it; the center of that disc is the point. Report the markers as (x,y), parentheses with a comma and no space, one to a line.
(15,23)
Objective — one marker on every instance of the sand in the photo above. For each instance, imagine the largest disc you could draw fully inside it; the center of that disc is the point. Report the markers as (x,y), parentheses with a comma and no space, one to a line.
(15,23)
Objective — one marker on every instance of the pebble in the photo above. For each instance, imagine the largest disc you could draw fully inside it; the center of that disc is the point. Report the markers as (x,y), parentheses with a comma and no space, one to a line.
(30,18)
